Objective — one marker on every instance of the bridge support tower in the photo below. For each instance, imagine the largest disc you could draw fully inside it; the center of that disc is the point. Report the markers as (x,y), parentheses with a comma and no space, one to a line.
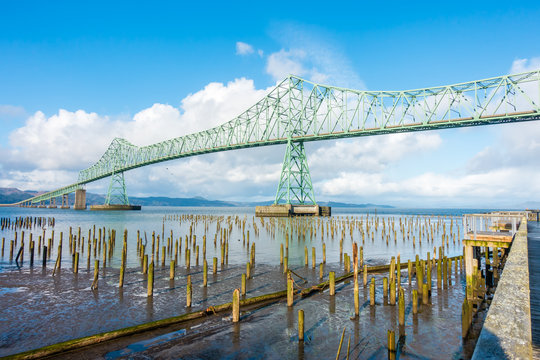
(117,198)
(80,199)
(294,194)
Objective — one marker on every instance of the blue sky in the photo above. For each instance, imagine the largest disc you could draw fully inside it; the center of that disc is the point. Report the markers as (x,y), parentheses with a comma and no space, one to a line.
(72,74)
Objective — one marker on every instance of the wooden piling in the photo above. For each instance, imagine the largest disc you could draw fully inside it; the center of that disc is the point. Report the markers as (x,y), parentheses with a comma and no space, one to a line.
(214,265)
(189,290)
(365,272)
(393,291)
(300,325)
(243,288)
(419,276)
(425,294)
(385,287)
(76,264)
(205,273)
(172,270)
(31,252)
(150,288)
(401,306)
(391,344)
(96,275)
(235,306)
(372,292)
(332,282)
(290,290)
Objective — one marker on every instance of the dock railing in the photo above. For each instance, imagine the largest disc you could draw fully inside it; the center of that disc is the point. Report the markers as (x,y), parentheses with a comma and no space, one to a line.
(500,223)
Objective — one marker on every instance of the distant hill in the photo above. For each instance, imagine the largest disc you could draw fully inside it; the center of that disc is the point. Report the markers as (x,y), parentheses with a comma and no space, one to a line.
(12,195)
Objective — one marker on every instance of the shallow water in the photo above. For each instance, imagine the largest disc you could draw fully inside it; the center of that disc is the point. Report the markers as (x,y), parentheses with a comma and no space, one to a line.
(39,309)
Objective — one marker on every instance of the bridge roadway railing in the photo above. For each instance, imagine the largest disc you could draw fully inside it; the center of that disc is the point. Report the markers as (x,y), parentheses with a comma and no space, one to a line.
(299,110)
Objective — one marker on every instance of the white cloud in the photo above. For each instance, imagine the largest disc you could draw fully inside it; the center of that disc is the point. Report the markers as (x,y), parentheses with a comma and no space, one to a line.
(48,152)
(524,65)
(67,140)
(311,53)
(283,63)
(370,154)
(243,48)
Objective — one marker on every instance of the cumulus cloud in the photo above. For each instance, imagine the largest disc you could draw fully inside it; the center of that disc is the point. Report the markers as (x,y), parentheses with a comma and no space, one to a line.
(497,187)
(243,48)
(371,154)
(48,151)
(524,65)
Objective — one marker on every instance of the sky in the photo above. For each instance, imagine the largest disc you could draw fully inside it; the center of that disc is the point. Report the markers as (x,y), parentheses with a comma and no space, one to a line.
(75,75)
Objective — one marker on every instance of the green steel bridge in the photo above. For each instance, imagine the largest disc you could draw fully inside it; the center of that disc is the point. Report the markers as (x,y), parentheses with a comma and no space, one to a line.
(297,110)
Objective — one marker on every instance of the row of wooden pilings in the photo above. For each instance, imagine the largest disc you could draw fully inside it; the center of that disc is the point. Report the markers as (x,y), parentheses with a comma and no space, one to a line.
(423,267)
(26,222)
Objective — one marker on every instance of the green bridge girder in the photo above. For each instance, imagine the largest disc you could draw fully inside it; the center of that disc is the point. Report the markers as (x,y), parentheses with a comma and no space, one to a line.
(297,110)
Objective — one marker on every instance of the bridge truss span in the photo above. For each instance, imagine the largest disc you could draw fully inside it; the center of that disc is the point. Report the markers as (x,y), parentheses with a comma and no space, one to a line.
(297,110)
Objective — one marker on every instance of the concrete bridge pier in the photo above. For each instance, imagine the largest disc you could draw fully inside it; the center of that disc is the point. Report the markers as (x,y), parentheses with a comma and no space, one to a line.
(65,201)
(80,199)
(52,203)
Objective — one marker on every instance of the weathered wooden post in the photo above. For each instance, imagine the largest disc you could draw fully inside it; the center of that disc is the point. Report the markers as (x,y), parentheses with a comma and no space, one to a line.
(205,273)
(189,290)
(401,306)
(393,291)
(372,292)
(290,290)
(300,325)
(96,275)
(391,344)
(150,288)
(332,282)
(235,306)
(172,270)
(76,264)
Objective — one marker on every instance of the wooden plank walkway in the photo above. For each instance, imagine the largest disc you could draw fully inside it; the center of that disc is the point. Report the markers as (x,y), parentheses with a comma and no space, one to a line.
(534,283)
